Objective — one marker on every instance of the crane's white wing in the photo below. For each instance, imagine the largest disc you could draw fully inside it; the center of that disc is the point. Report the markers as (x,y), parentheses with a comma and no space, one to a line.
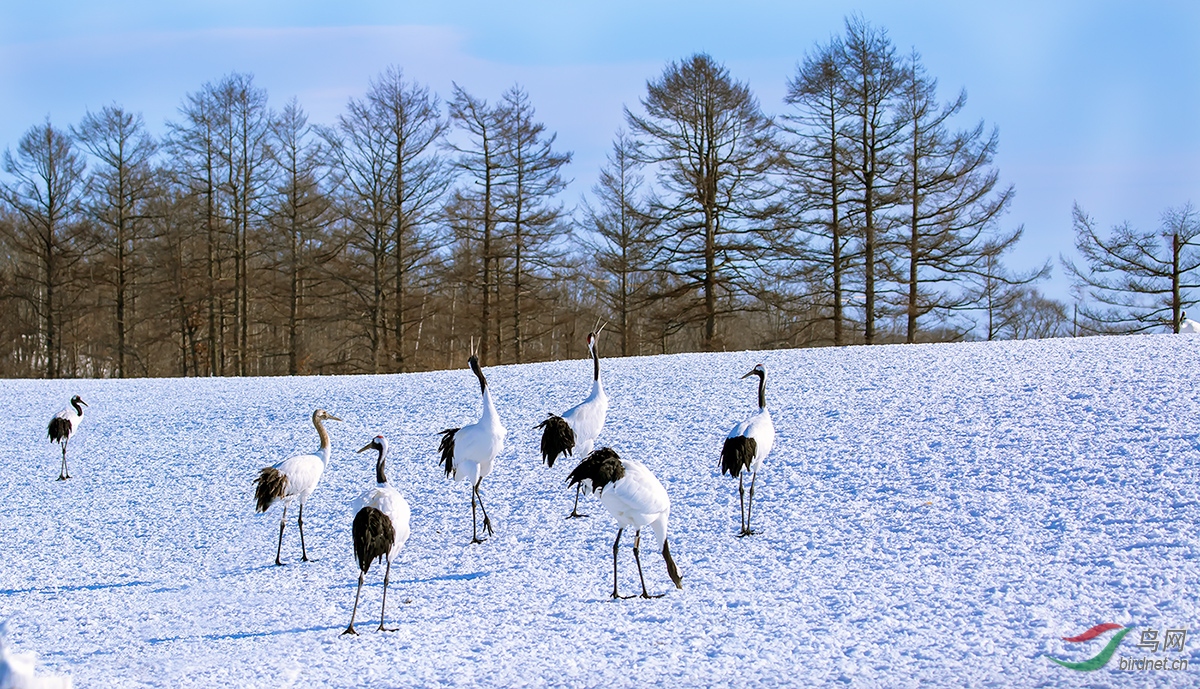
(638,498)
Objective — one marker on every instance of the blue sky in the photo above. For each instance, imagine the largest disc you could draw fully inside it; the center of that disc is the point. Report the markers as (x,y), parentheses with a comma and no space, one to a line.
(1096,102)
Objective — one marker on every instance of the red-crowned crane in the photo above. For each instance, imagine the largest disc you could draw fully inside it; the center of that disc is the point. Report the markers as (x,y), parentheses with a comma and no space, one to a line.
(1187,325)
(18,670)
(580,425)
(294,477)
(635,498)
(63,426)
(747,445)
(380,528)
(469,452)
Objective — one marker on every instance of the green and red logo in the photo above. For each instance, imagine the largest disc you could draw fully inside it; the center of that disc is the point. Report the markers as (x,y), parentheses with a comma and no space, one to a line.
(1100,659)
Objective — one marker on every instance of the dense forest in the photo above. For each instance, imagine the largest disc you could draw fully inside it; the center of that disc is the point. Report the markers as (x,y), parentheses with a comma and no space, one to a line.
(247,240)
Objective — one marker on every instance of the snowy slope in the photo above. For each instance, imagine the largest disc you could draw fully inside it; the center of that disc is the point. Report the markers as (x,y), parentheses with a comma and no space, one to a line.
(934,515)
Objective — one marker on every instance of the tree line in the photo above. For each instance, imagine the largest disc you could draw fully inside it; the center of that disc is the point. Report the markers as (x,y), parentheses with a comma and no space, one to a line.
(247,240)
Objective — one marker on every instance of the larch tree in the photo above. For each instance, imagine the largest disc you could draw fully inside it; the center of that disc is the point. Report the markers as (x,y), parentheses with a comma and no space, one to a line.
(712,150)
(194,150)
(531,178)
(474,209)
(871,83)
(1137,281)
(361,153)
(301,212)
(950,204)
(46,192)
(618,232)
(121,188)
(414,125)
(244,158)
(816,171)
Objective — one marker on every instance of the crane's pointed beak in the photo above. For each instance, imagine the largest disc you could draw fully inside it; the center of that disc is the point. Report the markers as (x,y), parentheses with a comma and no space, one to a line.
(331,417)
(83,403)
(748,375)
(366,447)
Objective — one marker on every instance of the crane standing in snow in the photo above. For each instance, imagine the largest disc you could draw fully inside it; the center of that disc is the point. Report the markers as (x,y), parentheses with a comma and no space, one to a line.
(1187,325)
(635,498)
(580,425)
(64,425)
(18,670)
(295,477)
(469,452)
(747,445)
(380,528)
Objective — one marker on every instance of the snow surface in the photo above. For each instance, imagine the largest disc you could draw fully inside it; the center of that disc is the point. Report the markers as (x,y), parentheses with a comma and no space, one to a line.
(931,515)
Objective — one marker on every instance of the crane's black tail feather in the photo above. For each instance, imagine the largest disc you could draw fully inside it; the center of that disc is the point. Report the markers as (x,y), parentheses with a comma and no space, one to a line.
(373,536)
(272,485)
(557,439)
(446,447)
(59,430)
(737,454)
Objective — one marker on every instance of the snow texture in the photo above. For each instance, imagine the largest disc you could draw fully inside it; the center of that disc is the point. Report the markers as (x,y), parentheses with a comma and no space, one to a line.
(931,515)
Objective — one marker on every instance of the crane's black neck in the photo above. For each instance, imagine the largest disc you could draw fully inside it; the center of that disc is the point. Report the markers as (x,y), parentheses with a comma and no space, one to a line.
(595,361)
(762,389)
(380,477)
(474,363)
(75,402)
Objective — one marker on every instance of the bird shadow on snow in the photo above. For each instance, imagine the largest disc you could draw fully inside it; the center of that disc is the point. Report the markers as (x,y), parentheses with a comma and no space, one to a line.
(234,636)
(466,576)
(81,587)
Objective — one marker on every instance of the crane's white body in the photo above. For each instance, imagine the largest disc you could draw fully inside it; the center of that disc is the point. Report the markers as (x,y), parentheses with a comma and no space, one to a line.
(303,473)
(1189,327)
(393,505)
(638,499)
(19,670)
(586,419)
(759,427)
(73,417)
(476,445)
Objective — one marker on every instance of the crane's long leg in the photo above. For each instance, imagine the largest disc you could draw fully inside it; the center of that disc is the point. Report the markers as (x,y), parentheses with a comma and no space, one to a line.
(637,542)
(749,508)
(279,548)
(383,608)
(62,473)
(300,523)
(616,545)
(350,629)
(742,503)
(474,533)
(487,523)
(575,510)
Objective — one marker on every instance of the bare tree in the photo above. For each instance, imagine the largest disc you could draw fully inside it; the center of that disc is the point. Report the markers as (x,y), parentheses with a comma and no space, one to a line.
(712,148)
(361,152)
(301,213)
(952,204)
(193,147)
(475,207)
(817,178)
(1139,281)
(618,232)
(244,155)
(46,192)
(121,188)
(531,177)
(413,125)
(871,83)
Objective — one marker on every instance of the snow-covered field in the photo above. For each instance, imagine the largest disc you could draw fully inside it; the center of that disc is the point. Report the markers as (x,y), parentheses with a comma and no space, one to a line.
(934,515)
